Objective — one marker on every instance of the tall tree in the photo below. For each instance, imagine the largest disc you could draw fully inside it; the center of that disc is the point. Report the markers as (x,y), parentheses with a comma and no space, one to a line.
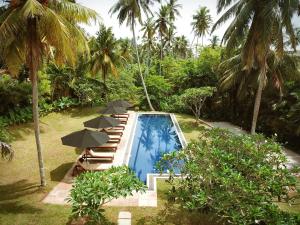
(104,53)
(261,24)
(201,23)
(181,47)
(131,11)
(162,25)
(173,7)
(148,30)
(214,41)
(31,30)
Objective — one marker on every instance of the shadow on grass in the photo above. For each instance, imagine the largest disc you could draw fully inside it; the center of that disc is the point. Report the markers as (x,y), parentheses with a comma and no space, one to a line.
(84,221)
(17,208)
(171,214)
(20,132)
(59,173)
(17,189)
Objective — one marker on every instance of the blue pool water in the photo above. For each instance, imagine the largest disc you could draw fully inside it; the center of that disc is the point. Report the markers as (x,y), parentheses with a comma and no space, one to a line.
(154,136)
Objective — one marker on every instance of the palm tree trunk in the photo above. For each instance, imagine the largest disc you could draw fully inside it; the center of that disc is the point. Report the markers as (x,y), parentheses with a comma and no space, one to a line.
(148,60)
(202,41)
(258,99)
(197,46)
(139,65)
(34,60)
(161,54)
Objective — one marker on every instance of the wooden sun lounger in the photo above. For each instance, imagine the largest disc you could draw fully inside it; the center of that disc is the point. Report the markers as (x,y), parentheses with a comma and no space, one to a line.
(90,165)
(110,146)
(114,136)
(121,115)
(99,155)
(113,132)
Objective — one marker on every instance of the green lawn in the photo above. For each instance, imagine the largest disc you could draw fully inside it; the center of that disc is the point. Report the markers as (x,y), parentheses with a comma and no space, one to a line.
(20,195)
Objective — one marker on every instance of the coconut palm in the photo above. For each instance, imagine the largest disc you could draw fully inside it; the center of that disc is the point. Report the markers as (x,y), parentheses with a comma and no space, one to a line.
(201,24)
(131,11)
(33,29)
(181,47)
(125,50)
(277,72)
(261,24)
(162,24)
(148,30)
(214,41)
(173,7)
(104,53)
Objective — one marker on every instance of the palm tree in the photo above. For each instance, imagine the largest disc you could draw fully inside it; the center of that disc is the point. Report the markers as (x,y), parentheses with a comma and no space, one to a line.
(201,23)
(125,50)
(162,25)
(33,29)
(260,24)
(234,80)
(104,53)
(173,7)
(214,41)
(131,10)
(181,46)
(148,30)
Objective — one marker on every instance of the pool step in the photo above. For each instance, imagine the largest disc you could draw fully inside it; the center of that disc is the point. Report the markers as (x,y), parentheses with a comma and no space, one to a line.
(124,218)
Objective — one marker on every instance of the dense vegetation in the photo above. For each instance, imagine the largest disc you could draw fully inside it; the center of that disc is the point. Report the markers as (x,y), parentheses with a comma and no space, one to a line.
(237,177)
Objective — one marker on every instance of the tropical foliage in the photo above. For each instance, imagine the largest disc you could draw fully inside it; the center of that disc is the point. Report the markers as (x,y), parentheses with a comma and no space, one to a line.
(92,190)
(194,99)
(237,177)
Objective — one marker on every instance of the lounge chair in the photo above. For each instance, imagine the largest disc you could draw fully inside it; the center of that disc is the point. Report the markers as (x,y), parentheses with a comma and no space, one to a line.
(123,120)
(84,165)
(121,116)
(89,153)
(108,146)
(113,132)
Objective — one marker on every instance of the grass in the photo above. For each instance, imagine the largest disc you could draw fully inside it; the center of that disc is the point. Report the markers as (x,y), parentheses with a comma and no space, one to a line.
(21,197)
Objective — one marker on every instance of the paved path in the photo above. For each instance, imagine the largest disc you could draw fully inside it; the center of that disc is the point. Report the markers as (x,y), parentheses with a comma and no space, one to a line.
(292,156)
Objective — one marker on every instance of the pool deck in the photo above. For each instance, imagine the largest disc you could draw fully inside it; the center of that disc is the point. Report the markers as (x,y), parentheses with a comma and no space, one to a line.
(61,191)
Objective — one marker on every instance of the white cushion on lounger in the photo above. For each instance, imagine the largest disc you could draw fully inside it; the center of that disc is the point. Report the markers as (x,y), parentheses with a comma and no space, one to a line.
(89,165)
(101,154)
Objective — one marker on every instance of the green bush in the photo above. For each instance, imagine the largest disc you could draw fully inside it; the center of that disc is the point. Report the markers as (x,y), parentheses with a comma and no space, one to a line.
(124,87)
(4,135)
(92,190)
(13,94)
(158,89)
(237,177)
(173,104)
(17,116)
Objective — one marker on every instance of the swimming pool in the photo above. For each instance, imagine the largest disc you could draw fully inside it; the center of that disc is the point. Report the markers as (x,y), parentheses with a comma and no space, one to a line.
(155,135)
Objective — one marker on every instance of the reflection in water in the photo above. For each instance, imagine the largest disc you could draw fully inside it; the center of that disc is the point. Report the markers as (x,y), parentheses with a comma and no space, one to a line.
(155,135)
